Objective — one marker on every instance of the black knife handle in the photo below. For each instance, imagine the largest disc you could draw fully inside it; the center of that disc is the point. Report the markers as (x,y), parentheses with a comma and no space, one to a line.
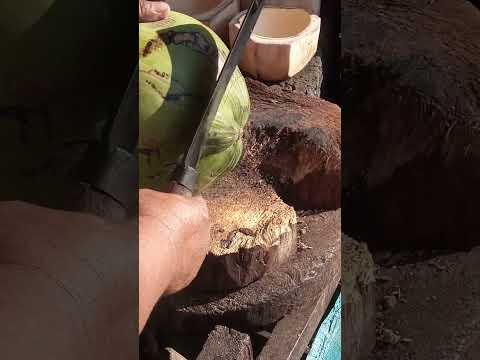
(183,181)
(176,188)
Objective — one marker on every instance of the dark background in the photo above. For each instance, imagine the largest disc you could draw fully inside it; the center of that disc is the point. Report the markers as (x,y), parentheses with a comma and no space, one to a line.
(410,174)
(61,81)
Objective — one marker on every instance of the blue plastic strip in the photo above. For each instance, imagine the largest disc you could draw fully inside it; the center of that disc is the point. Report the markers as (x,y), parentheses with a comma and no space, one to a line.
(327,344)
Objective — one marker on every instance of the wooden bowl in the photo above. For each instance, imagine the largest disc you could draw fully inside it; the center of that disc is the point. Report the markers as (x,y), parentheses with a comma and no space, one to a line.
(216,14)
(282,43)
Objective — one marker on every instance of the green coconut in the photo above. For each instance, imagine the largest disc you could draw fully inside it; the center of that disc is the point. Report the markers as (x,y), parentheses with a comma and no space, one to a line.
(179,62)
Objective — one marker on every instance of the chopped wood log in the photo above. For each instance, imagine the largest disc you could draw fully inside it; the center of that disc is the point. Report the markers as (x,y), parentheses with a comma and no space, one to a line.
(313,272)
(226,344)
(411,120)
(252,231)
(296,140)
(358,300)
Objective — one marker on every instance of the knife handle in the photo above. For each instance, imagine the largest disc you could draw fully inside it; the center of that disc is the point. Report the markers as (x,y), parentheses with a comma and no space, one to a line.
(176,188)
(183,181)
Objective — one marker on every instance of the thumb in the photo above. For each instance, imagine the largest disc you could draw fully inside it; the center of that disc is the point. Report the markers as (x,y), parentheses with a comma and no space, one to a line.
(149,11)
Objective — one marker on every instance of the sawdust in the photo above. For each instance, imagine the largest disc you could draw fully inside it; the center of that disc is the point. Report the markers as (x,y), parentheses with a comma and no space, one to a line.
(246,212)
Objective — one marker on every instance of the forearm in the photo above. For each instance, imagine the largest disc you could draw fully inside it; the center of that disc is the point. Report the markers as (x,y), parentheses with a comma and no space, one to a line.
(174,239)
(44,319)
(155,267)
(69,285)
(40,319)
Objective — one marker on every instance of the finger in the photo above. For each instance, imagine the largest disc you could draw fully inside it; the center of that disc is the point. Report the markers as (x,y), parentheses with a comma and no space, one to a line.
(149,11)
(159,204)
(201,204)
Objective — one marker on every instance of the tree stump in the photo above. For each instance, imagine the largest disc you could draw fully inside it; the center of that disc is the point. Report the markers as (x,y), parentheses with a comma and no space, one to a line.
(252,231)
(312,272)
(298,138)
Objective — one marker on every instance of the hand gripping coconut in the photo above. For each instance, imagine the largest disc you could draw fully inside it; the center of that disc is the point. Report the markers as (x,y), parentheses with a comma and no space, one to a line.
(189,121)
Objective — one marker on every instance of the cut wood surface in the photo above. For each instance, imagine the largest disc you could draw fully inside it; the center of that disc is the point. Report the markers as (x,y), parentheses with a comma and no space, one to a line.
(297,140)
(245,213)
(290,36)
(226,344)
(411,117)
(252,231)
(312,272)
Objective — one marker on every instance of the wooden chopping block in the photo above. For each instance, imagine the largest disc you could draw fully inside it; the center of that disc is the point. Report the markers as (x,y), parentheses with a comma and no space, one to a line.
(312,272)
(252,231)
(294,142)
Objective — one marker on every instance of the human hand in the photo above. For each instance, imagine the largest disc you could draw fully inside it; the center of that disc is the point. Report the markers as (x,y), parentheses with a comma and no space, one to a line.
(149,11)
(174,237)
(73,277)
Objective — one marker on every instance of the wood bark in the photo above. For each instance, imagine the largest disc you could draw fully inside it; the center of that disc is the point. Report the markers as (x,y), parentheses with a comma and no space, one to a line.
(299,139)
